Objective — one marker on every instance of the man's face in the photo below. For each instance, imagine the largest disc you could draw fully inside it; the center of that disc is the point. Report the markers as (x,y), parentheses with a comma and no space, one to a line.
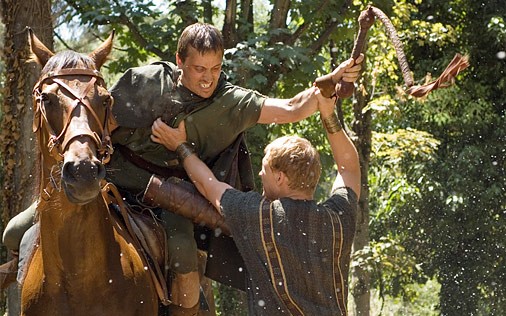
(200,72)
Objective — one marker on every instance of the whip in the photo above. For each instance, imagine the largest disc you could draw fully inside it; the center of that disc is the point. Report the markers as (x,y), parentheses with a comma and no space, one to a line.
(366,19)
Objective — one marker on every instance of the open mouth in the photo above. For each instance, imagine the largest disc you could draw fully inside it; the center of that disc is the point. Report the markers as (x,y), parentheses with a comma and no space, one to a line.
(206,85)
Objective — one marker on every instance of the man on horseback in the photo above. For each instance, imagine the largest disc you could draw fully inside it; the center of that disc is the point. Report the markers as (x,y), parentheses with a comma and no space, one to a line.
(216,114)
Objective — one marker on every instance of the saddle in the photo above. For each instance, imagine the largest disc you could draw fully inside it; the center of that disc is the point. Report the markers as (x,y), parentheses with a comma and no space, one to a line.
(148,236)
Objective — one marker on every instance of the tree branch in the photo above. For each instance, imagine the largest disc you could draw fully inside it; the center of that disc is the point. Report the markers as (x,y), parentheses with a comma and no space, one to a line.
(305,26)
(332,26)
(67,46)
(276,71)
(137,35)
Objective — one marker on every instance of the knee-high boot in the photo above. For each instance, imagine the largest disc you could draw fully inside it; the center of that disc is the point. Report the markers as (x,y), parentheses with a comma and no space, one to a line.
(183,198)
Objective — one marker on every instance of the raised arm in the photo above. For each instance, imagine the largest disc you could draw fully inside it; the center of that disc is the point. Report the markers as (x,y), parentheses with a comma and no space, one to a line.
(343,150)
(305,103)
(203,178)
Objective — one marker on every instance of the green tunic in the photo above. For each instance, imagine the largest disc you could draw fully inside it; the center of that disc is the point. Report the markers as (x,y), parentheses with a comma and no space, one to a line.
(145,93)
(214,126)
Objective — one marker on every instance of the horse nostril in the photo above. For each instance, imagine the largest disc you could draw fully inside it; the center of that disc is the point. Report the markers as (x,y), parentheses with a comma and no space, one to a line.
(74,171)
(69,173)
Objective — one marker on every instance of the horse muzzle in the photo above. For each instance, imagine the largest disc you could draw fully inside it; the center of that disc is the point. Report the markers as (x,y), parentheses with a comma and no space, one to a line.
(82,171)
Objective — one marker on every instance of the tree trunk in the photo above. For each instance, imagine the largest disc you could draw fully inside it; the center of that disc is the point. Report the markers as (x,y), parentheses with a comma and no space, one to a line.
(17,140)
(360,277)
(278,20)
(246,21)
(208,11)
(229,30)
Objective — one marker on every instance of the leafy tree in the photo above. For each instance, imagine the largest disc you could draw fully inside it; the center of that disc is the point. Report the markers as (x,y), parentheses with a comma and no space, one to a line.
(453,224)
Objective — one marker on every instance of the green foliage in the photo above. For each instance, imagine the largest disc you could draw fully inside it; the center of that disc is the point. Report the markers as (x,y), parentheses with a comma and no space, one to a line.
(397,169)
(397,163)
(442,201)
(391,265)
(143,30)
(229,302)
(452,220)
(424,304)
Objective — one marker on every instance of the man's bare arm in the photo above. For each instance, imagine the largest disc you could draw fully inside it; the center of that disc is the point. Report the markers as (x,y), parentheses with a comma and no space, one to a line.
(199,173)
(343,149)
(305,103)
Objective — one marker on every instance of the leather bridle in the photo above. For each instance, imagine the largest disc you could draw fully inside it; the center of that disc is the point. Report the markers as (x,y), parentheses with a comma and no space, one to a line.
(56,145)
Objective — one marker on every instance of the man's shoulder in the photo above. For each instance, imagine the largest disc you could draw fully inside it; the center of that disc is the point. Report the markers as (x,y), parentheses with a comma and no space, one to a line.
(235,199)
(152,71)
(236,90)
(342,199)
(237,97)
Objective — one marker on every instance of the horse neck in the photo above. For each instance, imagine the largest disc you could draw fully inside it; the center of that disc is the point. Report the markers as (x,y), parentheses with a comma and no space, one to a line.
(70,233)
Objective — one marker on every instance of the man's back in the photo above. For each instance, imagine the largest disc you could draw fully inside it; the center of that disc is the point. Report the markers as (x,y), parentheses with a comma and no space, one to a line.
(300,247)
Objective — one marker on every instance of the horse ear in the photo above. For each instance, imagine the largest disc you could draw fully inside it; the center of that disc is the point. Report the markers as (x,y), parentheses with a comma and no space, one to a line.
(99,55)
(40,53)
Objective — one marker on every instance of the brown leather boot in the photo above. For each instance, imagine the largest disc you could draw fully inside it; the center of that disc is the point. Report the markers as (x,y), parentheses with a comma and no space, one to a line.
(182,198)
(9,271)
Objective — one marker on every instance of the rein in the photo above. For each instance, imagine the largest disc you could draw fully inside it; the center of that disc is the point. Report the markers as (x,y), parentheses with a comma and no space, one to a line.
(55,144)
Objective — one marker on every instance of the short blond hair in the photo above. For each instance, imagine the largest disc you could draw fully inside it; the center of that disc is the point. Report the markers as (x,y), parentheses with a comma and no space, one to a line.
(297,158)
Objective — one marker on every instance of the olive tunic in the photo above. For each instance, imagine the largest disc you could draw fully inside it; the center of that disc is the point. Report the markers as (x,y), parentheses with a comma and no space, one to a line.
(214,126)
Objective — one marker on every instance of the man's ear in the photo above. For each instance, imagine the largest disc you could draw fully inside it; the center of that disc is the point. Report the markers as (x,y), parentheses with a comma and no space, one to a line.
(179,61)
(281,178)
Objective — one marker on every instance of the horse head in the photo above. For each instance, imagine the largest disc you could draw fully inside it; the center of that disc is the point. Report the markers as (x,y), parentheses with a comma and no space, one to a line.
(72,109)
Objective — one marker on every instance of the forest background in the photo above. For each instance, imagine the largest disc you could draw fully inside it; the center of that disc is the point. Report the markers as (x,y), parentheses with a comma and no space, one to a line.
(431,231)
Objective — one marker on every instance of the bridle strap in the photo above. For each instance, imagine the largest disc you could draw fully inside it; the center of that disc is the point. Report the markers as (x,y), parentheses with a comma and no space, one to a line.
(70,72)
(104,145)
(79,100)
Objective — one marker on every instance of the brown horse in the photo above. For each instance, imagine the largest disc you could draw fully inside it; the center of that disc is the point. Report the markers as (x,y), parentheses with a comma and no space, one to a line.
(84,262)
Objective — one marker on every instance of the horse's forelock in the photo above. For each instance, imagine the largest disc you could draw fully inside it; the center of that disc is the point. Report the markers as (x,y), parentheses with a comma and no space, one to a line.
(68,59)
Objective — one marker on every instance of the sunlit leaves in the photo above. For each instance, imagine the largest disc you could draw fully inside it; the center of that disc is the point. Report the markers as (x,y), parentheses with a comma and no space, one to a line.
(498,26)
(408,144)
(392,265)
